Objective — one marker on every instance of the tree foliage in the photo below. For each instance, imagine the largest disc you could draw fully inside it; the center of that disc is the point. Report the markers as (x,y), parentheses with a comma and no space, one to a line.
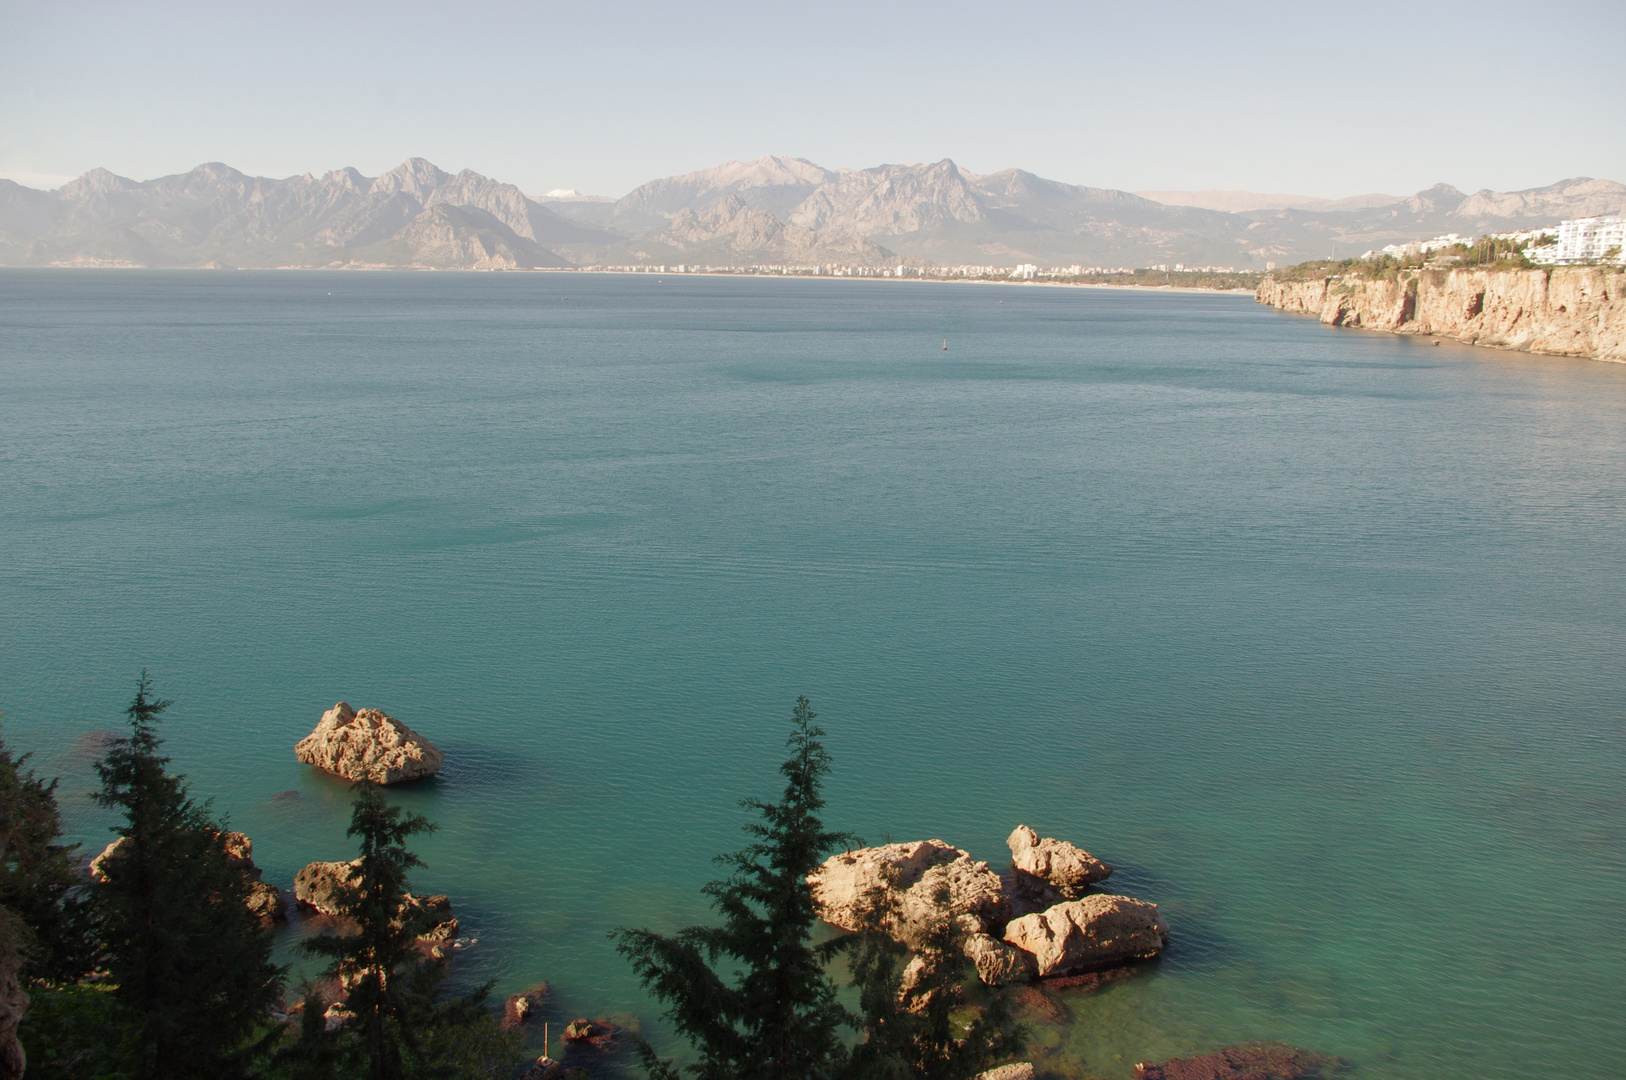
(397,1026)
(38,882)
(919,1019)
(190,964)
(753,994)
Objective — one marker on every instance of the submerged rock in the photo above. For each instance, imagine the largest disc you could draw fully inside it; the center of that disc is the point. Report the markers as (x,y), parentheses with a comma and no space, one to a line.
(599,1034)
(1096,931)
(1256,1061)
(545,1068)
(522,1008)
(916,883)
(1052,867)
(1021,1070)
(368,745)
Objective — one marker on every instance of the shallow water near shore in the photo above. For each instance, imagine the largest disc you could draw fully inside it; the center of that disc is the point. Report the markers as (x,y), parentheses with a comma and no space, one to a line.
(1316,635)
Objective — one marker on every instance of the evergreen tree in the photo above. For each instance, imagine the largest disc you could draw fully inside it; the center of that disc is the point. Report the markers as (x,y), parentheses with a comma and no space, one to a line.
(315,1053)
(770,1012)
(378,963)
(37,878)
(191,964)
(398,1028)
(919,1020)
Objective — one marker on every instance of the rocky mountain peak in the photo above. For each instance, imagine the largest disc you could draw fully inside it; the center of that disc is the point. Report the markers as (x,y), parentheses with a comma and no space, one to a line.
(891,199)
(417,177)
(96,182)
(1581,196)
(348,178)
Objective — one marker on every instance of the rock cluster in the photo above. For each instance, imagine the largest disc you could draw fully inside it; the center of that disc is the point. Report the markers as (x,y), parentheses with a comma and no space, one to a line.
(320,885)
(368,745)
(264,899)
(909,889)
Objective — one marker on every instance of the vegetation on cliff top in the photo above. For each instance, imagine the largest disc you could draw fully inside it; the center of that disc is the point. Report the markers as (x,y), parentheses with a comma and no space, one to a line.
(1486,253)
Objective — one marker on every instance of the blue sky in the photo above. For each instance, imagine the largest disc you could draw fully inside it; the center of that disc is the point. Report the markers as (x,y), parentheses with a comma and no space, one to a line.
(1309,98)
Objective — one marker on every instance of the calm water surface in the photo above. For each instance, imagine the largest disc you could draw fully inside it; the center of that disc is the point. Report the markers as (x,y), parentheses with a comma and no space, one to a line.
(1317,635)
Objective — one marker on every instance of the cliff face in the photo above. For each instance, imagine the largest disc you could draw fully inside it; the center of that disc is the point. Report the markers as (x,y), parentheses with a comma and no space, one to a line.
(1567,311)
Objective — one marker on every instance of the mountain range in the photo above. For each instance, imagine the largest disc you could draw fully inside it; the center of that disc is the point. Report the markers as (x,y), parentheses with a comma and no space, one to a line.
(773,210)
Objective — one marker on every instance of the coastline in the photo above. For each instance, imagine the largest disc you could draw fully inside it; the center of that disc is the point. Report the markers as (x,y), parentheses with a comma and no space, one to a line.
(1561,311)
(1196,289)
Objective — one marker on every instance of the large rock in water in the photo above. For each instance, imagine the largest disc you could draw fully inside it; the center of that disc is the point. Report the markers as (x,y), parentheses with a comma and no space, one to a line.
(368,745)
(1096,931)
(1055,867)
(922,881)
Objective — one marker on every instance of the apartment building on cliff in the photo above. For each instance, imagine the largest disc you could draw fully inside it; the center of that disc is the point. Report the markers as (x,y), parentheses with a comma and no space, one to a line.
(1585,240)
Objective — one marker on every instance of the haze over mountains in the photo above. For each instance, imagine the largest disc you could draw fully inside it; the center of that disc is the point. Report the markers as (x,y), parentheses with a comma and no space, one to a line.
(773,210)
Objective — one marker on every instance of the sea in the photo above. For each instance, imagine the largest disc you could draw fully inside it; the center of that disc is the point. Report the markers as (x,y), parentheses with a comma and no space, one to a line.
(1318,636)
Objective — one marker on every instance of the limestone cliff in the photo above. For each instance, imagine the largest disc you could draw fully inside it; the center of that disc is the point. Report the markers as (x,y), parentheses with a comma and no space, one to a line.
(1567,311)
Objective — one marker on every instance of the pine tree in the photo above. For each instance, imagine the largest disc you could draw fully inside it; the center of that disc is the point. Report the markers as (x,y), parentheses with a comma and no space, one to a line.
(919,1022)
(770,1012)
(37,878)
(378,962)
(398,1027)
(191,964)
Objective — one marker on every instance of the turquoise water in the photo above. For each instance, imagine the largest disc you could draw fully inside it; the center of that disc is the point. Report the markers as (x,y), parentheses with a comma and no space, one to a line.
(1317,635)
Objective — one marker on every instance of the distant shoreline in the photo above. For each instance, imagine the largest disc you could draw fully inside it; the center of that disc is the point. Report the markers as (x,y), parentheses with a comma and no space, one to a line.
(643,274)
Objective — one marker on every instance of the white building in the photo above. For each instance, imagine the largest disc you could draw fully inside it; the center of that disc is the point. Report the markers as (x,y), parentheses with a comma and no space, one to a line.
(1583,240)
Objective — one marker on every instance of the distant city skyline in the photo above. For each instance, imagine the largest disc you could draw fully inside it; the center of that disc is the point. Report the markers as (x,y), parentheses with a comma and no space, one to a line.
(1270,98)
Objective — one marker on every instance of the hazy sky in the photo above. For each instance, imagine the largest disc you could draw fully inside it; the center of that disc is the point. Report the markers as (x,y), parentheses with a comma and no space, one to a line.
(1301,97)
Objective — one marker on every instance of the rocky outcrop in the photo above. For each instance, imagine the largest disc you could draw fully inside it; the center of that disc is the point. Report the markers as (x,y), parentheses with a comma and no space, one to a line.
(1564,311)
(522,1008)
(914,884)
(908,889)
(320,885)
(368,745)
(1021,1070)
(1096,931)
(1047,867)
(264,899)
(598,1034)
(317,885)
(999,963)
(1260,1061)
